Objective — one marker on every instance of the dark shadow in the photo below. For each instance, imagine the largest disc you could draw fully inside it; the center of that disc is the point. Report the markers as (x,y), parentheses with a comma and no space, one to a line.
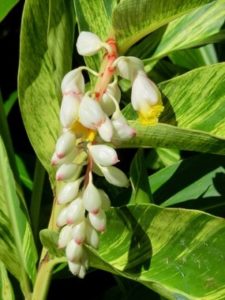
(188,172)
(140,250)
(168,115)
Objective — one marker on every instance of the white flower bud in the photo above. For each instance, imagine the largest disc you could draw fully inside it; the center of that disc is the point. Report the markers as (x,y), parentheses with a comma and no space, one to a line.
(103,155)
(68,171)
(62,217)
(115,176)
(105,129)
(98,221)
(69,191)
(92,237)
(74,252)
(79,232)
(128,66)
(73,83)
(122,130)
(82,272)
(91,198)
(75,213)
(56,161)
(88,43)
(65,144)
(106,203)
(74,267)
(106,102)
(69,110)
(90,113)
(146,98)
(65,236)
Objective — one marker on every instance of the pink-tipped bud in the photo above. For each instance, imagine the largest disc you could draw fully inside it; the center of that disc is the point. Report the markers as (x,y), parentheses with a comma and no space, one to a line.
(65,144)
(122,131)
(79,232)
(92,198)
(69,110)
(106,102)
(88,43)
(76,212)
(90,114)
(105,129)
(67,171)
(56,161)
(74,251)
(103,155)
(128,66)
(73,83)
(92,237)
(65,236)
(115,176)
(62,217)
(98,221)
(69,191)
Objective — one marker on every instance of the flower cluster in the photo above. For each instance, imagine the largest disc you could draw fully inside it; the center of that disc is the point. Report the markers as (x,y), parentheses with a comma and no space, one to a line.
(88,120)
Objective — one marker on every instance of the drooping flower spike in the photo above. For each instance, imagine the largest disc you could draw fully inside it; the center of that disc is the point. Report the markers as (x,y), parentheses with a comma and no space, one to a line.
(88,120)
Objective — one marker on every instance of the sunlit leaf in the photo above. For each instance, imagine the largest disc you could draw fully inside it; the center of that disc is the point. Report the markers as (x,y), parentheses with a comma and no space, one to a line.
(6,291)
(17,249)
(5,7)
(45,56)
(134,20)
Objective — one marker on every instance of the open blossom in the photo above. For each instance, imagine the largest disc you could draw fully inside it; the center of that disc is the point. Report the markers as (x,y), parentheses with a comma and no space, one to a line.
(146,98)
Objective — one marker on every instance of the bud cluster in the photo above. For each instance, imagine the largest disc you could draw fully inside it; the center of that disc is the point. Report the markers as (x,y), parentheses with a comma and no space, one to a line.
(88,120)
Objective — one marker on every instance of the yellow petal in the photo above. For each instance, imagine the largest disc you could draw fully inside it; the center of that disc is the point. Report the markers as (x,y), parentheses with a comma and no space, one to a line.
(151,115)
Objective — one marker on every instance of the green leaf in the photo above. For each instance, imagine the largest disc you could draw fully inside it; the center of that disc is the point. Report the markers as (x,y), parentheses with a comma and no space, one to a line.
(6,291)
(191,30)
(49,240)
(134,20)
(194,102)
(141,192)
(196,57)
(166,250)
(23,173)
(17,249)
(197,181)
(46,47)
(8,104)
(5,7)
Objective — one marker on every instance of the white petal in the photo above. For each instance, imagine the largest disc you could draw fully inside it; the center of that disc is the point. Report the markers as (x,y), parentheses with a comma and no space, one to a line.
(69,191)
(65,236)
(74,267)
(69,111)
(122,130)
(62,217)
(106,203)
(82,272)
(115,176)
(92,198)
(74,251)
(92,237)
(90,113)
(106,102)
(105,129)
(65,144)
(144,92)
(68,171)
(103,155)
(98,221)
(128,66)
(88,43)
(79,232)
(56,161)
(75,213)
(73,82)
